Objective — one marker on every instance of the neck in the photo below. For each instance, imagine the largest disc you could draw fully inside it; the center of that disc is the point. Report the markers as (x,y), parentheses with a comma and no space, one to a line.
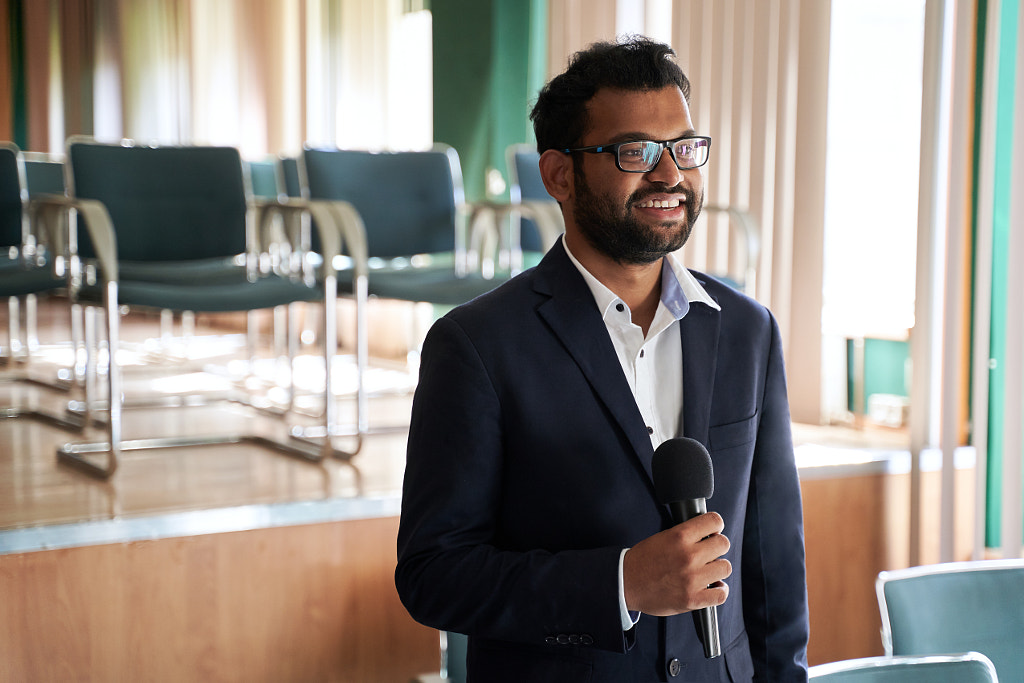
(637,284)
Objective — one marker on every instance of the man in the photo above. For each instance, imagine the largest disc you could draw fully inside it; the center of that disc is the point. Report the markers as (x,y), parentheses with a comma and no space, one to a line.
(529,519)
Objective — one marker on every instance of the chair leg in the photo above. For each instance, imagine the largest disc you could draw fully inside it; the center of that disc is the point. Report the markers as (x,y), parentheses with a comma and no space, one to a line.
(83,456)
(69,453)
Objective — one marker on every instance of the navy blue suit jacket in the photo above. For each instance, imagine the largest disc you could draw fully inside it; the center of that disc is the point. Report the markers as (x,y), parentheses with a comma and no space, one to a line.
(529,470)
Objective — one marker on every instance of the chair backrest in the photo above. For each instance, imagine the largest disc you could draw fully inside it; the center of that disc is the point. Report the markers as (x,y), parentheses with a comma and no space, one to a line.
(956,607)
(43,175)
(970,667)
(166,203)
(525,184)
(263,177)
(408,200)
(292,183)
(12,195)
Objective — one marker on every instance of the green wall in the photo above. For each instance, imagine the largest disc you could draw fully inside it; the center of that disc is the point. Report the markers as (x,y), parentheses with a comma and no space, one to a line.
(1000,235)
(885,370)
(490,61)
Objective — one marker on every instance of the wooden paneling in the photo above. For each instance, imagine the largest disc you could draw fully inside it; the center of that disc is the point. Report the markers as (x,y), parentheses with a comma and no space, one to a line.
(854,528)
(307,603)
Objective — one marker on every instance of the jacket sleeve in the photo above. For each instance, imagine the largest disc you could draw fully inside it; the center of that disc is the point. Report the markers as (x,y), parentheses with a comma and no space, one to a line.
(774,584)
(453,573)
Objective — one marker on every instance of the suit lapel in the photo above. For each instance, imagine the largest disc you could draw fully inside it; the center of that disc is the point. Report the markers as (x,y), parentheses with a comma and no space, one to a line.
(699,331)
(573,317)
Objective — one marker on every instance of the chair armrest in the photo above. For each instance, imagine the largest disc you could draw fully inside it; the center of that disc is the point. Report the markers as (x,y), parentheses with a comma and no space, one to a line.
(548,217)
(51,212)
(338,224)
(485,242)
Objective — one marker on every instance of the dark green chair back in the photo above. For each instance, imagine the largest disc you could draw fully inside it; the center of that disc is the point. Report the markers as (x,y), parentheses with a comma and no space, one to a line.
(407,200)
(290,176)
(263,177)
(166,203)
(44,177)
(526,185)
(10,197)
(957,607)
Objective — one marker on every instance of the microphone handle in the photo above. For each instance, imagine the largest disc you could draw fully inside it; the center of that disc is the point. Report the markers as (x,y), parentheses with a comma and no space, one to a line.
(705,619)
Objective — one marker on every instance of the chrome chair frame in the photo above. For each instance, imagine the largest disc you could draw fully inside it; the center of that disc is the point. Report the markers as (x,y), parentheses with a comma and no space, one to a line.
(897,669)
(337,224)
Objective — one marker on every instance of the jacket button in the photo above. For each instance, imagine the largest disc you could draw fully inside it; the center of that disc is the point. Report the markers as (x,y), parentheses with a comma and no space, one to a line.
(674,667)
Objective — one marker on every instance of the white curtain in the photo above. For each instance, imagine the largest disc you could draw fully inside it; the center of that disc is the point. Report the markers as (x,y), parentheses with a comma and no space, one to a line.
(265,76)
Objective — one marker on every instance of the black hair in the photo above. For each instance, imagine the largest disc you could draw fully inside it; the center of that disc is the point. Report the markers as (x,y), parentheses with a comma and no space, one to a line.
(635,63)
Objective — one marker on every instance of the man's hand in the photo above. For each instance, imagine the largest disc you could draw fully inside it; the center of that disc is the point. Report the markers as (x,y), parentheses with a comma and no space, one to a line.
(678,570)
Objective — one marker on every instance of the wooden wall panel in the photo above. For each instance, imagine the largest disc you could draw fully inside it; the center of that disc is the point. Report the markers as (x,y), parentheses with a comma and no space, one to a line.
(308,603)
(854,528)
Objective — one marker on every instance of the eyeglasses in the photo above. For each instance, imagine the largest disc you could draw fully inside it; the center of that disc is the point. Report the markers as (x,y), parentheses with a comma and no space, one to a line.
(642,156)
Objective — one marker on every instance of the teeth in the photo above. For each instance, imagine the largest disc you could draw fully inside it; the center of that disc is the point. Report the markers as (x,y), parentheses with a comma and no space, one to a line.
(660,204)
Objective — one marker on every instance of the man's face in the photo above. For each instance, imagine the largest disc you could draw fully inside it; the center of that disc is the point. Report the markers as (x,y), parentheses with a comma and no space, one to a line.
(636,217)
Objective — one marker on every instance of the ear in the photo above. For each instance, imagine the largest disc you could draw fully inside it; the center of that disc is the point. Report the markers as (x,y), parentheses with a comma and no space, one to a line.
(556,172)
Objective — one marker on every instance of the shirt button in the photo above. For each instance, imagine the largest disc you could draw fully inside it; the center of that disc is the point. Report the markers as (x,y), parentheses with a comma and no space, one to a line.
(650,430)
(674,667)
(641,353)
(620,308)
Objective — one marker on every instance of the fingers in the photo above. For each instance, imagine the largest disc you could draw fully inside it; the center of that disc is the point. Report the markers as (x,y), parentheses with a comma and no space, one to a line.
(702,526)
(680,569)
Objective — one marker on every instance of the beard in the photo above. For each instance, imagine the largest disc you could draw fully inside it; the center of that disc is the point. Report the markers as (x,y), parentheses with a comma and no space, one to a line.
(615,231)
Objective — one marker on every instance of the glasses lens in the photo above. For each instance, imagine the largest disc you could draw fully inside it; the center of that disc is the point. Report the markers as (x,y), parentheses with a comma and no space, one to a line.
(640,156)
(690,152)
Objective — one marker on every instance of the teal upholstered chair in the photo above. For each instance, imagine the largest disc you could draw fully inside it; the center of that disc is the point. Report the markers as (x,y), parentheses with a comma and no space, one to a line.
(26,261)
(956,607)
(34,260)
(970,667)
(177,231)
(411,204)
(413,207)
(43,174)
(25,264)
(535,215)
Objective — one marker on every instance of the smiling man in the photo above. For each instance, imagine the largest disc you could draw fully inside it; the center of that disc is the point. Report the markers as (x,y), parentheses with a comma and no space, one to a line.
(529,517)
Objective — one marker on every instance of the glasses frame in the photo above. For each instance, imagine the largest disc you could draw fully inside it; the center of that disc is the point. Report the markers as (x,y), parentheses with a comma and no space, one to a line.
(664,144)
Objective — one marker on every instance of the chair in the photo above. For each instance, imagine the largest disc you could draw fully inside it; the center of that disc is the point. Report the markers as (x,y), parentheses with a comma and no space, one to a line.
(413,210)
(180,217)
(263,176)
(535,214)
(956,607)
(27,268)
(453,660)
(971,667)
(411,204)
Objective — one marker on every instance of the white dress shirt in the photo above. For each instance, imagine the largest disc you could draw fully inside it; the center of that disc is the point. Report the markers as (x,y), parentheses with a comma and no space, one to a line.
(645,360)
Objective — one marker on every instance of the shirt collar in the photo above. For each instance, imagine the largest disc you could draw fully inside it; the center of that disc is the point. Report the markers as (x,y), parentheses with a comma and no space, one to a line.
(678,287)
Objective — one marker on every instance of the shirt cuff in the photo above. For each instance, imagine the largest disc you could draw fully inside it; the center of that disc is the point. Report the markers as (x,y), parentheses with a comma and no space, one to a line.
(628,618)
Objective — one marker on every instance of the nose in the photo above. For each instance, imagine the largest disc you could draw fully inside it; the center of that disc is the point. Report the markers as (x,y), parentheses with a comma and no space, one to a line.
(666,170)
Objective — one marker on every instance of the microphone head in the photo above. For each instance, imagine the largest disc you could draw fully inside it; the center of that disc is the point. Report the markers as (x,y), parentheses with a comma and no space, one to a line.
(682,471)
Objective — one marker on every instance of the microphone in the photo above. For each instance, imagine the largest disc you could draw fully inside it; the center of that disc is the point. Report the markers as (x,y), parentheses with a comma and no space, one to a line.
(683,480)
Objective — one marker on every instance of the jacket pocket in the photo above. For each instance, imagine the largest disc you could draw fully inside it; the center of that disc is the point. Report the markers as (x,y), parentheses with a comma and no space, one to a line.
(733,434)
